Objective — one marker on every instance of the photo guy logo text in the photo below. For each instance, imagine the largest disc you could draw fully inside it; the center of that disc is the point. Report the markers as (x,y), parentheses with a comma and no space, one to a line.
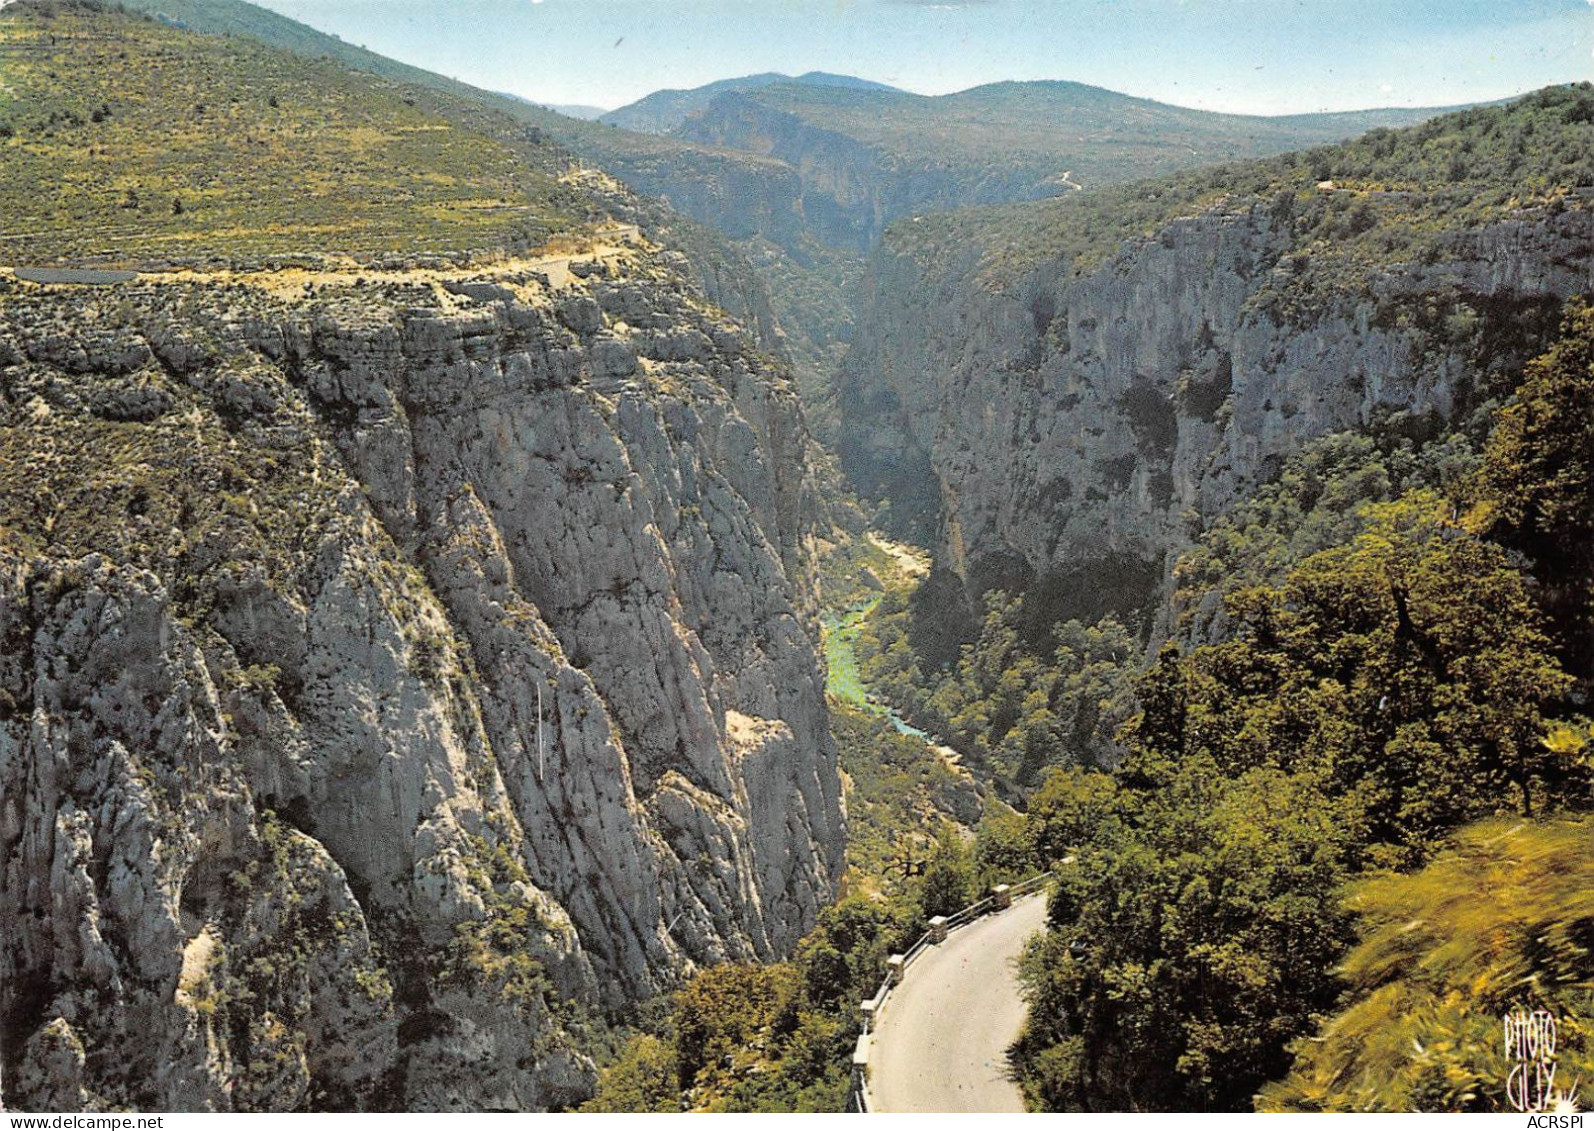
(1530,1049)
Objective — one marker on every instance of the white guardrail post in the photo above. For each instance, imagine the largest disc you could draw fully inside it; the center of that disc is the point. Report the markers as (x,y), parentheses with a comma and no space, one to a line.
(858,1100)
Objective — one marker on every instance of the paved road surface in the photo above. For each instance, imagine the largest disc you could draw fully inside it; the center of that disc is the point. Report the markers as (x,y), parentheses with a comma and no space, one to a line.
(74,275)
(942,1043)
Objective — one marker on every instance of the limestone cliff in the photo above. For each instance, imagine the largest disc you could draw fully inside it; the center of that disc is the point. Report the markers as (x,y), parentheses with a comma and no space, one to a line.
(1061,424)
(397,672)
(850,190)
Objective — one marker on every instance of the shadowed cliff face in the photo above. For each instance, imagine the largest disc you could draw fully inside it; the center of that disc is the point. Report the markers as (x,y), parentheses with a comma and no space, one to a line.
(850,190)
(1063,429)
(393,674)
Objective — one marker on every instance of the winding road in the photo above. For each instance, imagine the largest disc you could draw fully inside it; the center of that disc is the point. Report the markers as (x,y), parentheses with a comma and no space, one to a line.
(941,1043)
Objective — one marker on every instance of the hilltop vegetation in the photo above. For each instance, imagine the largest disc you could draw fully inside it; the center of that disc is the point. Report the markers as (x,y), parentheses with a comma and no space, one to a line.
(1048,128)
(1386,196)
(240,19)
(124,139)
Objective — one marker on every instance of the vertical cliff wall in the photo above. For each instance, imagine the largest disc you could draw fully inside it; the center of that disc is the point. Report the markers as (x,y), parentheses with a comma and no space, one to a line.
(396,672)
(1062,426)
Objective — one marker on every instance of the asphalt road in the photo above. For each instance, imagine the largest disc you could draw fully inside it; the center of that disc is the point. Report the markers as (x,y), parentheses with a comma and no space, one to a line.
(942,1042)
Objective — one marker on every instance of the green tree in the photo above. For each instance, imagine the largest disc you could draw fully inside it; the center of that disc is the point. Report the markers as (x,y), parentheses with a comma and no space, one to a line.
(645,1077)
(1499,921)
(1004,849)
(948,884)
(1537,479)
(1192,940)
(725,1009)
(1386,691)
(1410,667)
(1068,810)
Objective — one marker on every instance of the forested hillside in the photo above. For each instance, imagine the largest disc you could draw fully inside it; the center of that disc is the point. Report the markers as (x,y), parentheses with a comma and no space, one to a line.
(1390,663)
(1280,423)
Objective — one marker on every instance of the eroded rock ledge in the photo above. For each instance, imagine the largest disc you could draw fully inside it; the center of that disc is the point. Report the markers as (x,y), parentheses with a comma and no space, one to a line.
(396,672)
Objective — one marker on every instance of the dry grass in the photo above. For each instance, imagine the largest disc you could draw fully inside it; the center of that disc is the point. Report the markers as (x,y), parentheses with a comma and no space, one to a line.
(124,140)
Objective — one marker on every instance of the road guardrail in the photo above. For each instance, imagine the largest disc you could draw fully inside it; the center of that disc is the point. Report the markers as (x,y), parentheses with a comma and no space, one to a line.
(1000,899)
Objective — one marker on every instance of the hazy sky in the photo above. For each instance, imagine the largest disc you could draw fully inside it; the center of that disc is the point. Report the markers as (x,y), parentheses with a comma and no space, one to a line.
(1248,56)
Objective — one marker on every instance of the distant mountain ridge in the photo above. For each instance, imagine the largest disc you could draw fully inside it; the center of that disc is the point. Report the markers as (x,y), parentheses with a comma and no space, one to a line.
(1039,129)
(664,110)
(575,110)
(804,174)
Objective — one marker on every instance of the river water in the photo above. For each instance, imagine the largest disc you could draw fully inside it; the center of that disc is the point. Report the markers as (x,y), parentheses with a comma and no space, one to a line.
(843,679)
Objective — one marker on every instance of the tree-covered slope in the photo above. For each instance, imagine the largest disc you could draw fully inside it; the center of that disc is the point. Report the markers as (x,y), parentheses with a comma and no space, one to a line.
(239,18)
(1044,129)
(1389,673)
(649,163)
(1303,388)
(1373,196)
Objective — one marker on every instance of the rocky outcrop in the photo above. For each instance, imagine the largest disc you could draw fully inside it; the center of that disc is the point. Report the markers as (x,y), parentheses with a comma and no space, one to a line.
(740,223)
(850,190)
(1063,427)
(741,196)
(396,672)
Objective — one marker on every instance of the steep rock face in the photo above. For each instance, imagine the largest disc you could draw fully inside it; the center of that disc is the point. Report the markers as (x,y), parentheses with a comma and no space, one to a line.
(393,674)
(840,178)
(850,190)
(742,196)
(746,241)
(1064,429)
(715,263)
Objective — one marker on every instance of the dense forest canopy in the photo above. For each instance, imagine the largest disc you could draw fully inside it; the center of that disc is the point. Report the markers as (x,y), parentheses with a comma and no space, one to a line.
(1378,696)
